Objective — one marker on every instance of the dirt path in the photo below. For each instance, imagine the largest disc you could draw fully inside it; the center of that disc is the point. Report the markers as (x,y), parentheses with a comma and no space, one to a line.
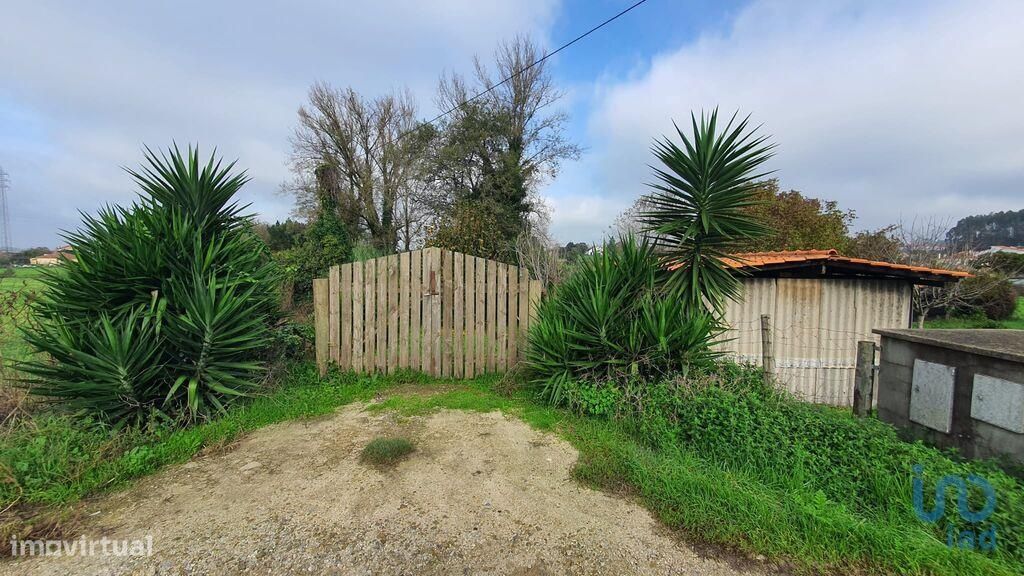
(483,494)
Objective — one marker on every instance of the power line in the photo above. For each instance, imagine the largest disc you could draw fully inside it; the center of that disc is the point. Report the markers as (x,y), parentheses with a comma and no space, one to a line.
(538,61)
(5,218)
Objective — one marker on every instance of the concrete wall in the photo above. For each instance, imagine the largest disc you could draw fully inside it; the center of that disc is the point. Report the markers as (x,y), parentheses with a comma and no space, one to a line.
(816,325)
(973,437)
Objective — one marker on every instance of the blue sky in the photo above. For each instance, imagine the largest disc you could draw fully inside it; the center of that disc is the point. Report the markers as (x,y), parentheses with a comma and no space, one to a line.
(897,110)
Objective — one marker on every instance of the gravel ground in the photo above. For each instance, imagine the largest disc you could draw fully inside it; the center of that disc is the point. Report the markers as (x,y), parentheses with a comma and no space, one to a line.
(483,494)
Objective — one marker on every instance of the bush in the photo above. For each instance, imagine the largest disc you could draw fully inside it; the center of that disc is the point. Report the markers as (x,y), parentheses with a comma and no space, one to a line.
(608,323)
(996,297)
(732,420)
(165,310)
(325,243)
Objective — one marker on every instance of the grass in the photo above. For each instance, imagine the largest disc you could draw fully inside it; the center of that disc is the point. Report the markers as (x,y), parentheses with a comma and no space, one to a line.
(1015,322)
(383,452)
(16,292)
(739,489)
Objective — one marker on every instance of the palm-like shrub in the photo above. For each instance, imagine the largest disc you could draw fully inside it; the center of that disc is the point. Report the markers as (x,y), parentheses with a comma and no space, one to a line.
(609,322)
(698,214)
(167,306)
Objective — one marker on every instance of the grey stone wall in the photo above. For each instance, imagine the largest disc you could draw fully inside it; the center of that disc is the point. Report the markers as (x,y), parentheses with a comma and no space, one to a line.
(974,438)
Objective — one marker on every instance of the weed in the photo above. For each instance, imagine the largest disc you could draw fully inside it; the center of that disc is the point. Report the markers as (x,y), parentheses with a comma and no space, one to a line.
(384,452)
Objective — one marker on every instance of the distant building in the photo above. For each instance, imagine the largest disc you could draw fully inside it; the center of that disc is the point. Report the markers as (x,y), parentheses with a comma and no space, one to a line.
(53,258)
(1004,249)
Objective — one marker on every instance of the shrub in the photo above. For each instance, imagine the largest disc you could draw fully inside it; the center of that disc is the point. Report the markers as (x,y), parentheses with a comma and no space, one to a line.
(730,418)
(608,323)
(325,243)
(994,296)
(166,307)
(471,228)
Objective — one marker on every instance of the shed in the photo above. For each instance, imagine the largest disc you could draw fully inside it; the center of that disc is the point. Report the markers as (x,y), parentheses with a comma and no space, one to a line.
(820,304)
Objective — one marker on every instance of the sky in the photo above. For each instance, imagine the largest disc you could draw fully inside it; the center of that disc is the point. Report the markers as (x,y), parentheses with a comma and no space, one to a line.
(898,111)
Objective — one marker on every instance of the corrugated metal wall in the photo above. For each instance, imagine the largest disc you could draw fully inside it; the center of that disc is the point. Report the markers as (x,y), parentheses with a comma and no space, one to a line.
(816,325)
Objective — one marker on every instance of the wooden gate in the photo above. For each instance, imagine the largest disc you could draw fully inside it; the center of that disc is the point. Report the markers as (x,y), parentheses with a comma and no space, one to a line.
(433,310)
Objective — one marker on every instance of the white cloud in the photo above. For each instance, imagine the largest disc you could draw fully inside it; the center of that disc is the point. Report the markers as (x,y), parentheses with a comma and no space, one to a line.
(893,110)
(85,84)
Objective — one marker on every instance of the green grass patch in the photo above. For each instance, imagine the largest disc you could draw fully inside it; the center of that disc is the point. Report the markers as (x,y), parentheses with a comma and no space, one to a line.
(383,452)
(17,291)
(1015,322)
(808,485)
(56,459)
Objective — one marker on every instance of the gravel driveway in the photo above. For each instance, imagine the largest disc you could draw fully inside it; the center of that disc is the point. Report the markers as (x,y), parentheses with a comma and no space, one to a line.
(483,494)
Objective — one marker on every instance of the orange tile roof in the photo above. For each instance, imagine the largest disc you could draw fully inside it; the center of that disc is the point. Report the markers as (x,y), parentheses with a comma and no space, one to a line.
(760,259)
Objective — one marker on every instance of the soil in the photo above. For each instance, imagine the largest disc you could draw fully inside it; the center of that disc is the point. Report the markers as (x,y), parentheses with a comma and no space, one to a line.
(482,494)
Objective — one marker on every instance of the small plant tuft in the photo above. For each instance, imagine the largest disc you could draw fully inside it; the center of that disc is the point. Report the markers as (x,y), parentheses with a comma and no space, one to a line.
(386,451)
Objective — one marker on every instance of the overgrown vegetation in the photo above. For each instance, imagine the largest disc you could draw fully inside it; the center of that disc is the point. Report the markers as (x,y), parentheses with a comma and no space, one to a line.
(728,460)
(166,309)
(383,452)
(610,322)
(979,320)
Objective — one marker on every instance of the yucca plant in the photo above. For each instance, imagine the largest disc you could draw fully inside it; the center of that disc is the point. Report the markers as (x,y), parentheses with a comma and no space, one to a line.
(609,322)
(166,308)
(698,214)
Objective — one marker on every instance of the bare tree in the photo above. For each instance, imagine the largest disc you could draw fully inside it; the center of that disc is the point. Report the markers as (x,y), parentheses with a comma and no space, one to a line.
(924,244)
(365,154)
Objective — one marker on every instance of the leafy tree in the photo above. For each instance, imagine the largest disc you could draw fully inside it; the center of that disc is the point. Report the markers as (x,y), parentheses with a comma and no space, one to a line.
(572,251)
(797,222)
(883,245)
(1007,264)
(984,231)
(471,228)
(166,309)
(495,150)
(282,235)
(701,211)
(325,243)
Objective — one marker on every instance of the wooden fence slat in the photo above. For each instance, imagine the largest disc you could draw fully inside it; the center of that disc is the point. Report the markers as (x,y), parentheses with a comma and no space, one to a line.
(427,339)
(345,359)
(393,290)
(469,317)
(458,309)
(403,310)
(480,331)
(492,316)
(334,314)
(447,322)
(358,316)
(435,312)
(536,288)
(502,327)
(370,319)
(513,316)
(524,310)
(415,302)
(321,293)
(382,315)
